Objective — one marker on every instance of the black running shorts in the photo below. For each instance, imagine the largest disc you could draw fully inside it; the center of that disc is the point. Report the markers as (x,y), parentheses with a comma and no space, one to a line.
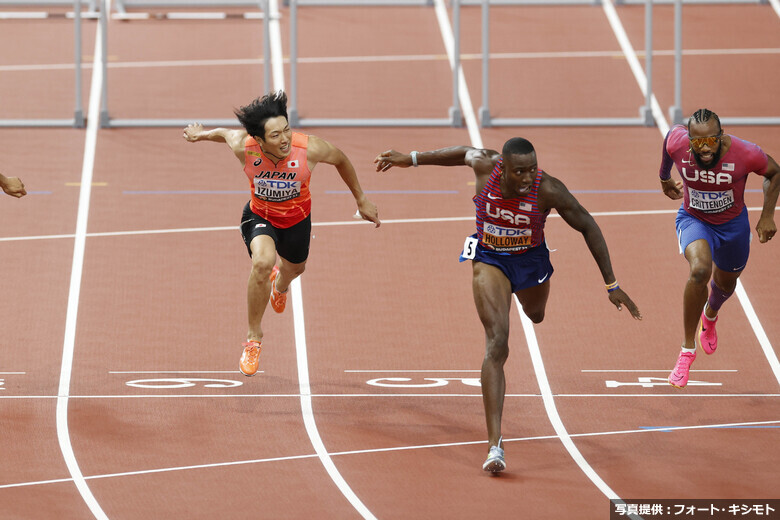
(292,243)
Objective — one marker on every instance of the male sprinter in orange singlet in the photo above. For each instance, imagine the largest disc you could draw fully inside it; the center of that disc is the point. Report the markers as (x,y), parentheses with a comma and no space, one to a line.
(509,253)
(278,164)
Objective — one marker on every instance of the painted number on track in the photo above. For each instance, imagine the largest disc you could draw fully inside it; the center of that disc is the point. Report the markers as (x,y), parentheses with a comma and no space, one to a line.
(430,382)
(649,382)
(182,382)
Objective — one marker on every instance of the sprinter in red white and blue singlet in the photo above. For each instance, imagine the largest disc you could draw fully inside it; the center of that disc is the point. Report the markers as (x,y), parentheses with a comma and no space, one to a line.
(509,253)
(509,225)
(712,224)
(509,228)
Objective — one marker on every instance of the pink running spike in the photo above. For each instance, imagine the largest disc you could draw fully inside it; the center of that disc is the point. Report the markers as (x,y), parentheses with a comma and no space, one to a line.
(708,337)
(679,376)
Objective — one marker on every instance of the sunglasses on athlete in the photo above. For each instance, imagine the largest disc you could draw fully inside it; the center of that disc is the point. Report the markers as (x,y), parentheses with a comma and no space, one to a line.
(710,140)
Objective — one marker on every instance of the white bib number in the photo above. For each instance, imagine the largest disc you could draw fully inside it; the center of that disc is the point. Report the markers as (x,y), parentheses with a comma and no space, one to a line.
(470,248)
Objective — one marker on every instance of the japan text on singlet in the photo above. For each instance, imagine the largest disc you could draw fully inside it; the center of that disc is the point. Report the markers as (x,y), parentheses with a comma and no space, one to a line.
(715,195)
(280,192)
(509,225)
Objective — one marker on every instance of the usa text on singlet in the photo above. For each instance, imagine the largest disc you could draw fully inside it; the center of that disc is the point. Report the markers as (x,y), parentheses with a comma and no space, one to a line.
(715,195)
(509,225)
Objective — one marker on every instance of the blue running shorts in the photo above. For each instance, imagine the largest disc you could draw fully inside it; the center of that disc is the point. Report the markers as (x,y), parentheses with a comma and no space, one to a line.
(729,242)
(523,271)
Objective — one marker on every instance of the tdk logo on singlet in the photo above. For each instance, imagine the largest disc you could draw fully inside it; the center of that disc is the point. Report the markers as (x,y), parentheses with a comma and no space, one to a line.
(707,176)
(505,214)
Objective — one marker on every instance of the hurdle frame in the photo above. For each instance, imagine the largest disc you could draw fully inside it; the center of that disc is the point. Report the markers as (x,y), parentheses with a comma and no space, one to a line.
(106,121)
(646,116)
(455,118)
(77,121)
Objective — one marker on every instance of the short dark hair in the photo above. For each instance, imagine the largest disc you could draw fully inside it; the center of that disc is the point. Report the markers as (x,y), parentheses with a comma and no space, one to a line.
(517,145)
(254,115)
(702,116)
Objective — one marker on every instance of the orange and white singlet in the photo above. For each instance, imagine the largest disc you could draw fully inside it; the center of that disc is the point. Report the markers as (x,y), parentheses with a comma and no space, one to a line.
(280,192)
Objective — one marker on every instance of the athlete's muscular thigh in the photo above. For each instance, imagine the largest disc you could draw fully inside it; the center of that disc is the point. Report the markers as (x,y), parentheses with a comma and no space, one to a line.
(492,297)
(263,250)
(699,256)
(534,301)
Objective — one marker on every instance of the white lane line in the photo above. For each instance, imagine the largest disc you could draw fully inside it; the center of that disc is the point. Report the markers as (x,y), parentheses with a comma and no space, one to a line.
(409,371)
(667,370)
(552,411)
(380,395)
(379,59)
(469,116)
(633,62)
(164,470)
(758,329)
(663,126)
(528,55)
(177,371)
(334,223)
(393,449)
(277,60)
(667,395)
(63,433)
(35,237)
(533,347)
(775,6)
(306,407)
(300,328)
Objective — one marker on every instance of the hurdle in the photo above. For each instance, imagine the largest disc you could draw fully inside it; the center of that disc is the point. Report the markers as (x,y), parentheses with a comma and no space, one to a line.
(646,116)
(675,111)
(454,118)
(106,121)
(77,120)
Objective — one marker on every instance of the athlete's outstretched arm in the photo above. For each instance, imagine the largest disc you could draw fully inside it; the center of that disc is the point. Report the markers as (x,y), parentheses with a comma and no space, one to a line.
(766,227)
(452,156)
(234,138)
(13,186)
(553,194)
(320,150)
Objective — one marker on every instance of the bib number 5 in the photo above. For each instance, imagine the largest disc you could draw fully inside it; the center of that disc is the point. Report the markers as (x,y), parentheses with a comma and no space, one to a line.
(470,248)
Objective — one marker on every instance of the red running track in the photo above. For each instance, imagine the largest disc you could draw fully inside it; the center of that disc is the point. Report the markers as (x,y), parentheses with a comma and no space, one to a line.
(162,295)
